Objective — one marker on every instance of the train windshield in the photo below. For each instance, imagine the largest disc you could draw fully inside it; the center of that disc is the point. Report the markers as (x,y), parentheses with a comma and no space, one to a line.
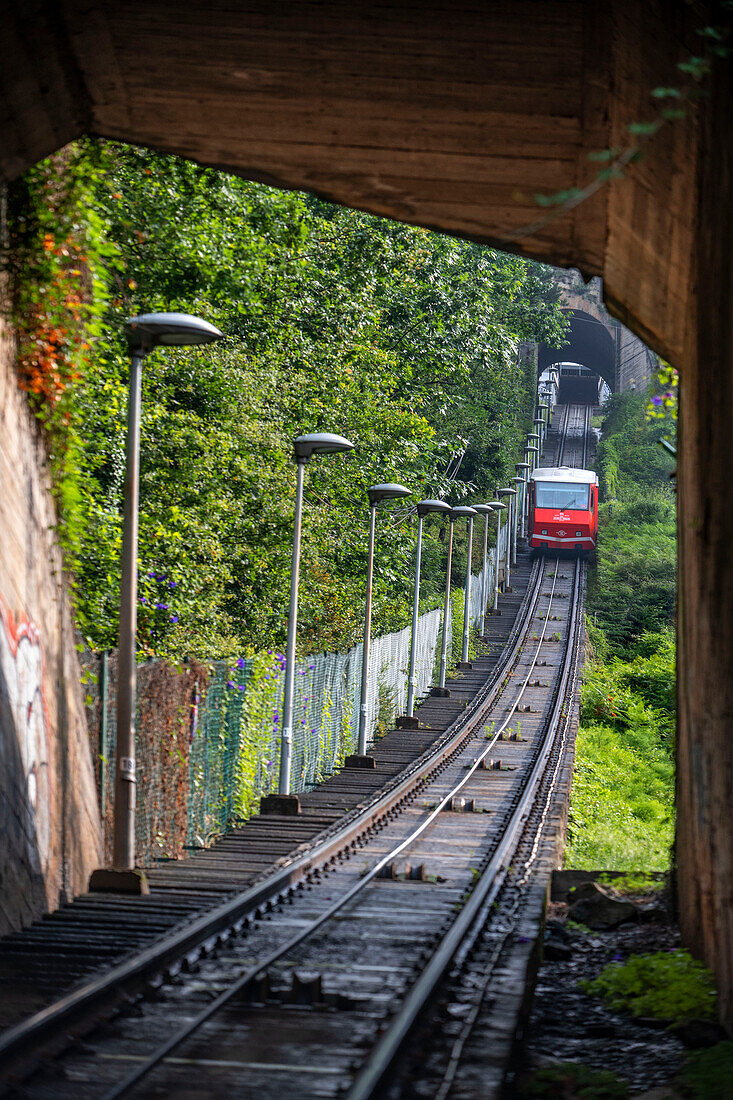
(558,494)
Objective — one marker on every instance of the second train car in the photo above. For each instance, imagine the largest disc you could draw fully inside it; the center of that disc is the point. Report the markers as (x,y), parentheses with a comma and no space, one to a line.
(563,509)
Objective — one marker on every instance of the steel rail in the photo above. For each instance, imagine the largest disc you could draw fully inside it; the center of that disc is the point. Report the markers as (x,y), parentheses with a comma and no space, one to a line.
(260,968)
(478,993)
(372,1075)
(476,912)
(334,842)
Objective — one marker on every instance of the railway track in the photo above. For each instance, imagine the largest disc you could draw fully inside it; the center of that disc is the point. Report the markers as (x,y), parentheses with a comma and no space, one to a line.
(314,980)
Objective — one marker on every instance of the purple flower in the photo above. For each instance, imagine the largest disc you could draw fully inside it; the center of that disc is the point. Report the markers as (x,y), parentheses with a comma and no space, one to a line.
(172,584)
(161,576)
(231,684)
(174,618)
(657,400)
(241,662)
(143,599)
(276,717)
(161,607)
(302,721)
(242,687)
(311,667)
(617,958)
(152,576)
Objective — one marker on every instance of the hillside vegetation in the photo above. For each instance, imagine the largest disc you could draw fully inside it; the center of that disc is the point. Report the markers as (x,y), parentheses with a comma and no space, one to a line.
(622,804)
(401,339)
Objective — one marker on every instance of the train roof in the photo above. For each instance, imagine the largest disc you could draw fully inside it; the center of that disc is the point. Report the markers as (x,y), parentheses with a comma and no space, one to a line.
(565,474)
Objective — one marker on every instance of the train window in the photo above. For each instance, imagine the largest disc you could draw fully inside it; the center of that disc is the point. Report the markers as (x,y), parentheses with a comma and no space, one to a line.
(558,494)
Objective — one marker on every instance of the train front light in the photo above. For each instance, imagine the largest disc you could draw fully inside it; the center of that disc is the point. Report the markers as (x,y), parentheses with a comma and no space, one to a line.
(578,534)
(543,532)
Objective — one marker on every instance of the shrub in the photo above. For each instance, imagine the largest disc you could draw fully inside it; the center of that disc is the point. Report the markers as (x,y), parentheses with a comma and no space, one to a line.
(668,985)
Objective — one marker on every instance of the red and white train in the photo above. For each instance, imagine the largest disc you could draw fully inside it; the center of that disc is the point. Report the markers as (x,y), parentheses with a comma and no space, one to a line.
(563,509)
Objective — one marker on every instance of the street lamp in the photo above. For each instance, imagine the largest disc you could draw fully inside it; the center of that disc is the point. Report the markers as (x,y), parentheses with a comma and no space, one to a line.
(376,493)
(143,334)
(517,481)
(469,513)
(424,508)
(304,447)
(511,493)
(523,469)
(485,510)
(498,507)
(534,456)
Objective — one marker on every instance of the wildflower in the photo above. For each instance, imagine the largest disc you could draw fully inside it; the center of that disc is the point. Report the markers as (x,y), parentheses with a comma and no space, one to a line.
(657,400)
(231,684)
(161,576)
(242,687)
(161,607)
(241,662)
(311,667)
(143,599)
(172,584)
(174,618)
(276,717)
(152,576)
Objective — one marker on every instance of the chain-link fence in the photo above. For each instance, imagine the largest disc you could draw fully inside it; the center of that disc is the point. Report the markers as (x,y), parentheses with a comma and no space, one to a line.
(208,737)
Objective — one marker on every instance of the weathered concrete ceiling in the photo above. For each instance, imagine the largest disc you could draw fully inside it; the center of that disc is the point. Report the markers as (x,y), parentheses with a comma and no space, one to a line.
(591,344)
(453,115)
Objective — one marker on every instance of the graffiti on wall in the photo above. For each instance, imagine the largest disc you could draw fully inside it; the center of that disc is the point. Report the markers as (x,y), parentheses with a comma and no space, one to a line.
(21,684)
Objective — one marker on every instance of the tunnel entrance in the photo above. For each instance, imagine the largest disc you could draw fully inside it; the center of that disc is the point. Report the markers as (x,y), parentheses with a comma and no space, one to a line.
(591,344)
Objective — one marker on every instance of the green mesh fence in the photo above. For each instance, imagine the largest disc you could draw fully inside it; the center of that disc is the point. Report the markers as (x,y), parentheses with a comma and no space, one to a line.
(208,736)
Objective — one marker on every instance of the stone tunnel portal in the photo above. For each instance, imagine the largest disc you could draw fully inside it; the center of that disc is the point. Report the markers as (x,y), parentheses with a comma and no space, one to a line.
(591,344)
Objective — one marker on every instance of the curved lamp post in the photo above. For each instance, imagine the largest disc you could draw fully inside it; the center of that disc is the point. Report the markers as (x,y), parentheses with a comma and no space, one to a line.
(143,334)
(376,493)
(469,513)
(498,507)
(511,493)
(424,508)
(485,510)
(304,447)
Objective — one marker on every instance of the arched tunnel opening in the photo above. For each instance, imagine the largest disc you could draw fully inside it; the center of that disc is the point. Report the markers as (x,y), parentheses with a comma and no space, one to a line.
(584,363)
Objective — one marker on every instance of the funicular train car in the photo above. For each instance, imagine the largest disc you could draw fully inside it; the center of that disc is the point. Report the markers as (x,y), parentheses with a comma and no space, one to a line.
(563,509)
(578,385)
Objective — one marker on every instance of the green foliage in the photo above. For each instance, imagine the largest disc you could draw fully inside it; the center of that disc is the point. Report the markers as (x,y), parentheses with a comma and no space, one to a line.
(623,788)
(668,985)
(403,340)
(708,1073)
(573,1081)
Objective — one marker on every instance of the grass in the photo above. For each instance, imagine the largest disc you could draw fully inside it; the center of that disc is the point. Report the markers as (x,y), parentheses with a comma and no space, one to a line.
(622,802)
(668,985)
(621,812)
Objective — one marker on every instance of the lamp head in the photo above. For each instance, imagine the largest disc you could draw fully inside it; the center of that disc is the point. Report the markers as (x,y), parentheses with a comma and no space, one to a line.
(496,505)
(319,443)
(521,466)
(151,330)
(387,491)
(507,492)
(424,507)
(463,511)
(484,509)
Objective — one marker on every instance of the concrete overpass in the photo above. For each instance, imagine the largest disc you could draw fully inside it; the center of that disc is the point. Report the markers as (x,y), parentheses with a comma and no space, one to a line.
(453,116)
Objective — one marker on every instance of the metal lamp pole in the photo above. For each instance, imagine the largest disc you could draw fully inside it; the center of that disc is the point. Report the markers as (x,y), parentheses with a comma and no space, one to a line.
(424,508)
(511,493)
(446,605)
(518,483)
(303,447)
(498,507)
(469,513)
(376,493)
(523,469)
(485,510)
(143,334)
